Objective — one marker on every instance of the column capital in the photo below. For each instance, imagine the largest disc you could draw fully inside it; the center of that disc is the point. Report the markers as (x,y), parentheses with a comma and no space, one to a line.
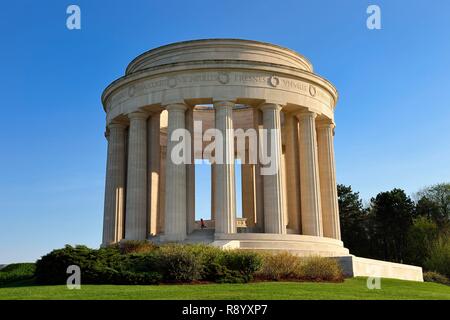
(223,104)
(155,111)
(176,107)
(289,115)
(325,123)
(306,114)
(137,115)
(270,106)
(116,125)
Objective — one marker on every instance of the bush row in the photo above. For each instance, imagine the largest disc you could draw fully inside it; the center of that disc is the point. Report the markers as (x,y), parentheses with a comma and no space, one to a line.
(135,263)
(285,266)
(17,272)
(168,263)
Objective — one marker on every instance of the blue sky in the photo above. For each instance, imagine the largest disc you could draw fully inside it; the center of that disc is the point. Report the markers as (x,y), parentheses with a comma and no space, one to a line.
(392,117)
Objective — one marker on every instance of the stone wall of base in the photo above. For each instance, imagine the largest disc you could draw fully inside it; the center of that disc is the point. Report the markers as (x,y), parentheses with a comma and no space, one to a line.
(361,267)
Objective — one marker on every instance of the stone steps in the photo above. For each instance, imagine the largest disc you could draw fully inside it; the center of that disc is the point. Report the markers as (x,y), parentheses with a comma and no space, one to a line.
(201,236)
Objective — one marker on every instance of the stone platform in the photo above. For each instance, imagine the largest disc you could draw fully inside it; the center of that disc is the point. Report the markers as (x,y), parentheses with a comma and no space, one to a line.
(302,245)
(362,267)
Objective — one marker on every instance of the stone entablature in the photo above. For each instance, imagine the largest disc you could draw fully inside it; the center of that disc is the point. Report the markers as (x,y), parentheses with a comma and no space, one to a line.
(231,74)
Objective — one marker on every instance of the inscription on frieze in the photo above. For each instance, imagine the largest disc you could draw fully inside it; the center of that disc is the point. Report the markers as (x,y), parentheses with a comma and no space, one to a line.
(222,78)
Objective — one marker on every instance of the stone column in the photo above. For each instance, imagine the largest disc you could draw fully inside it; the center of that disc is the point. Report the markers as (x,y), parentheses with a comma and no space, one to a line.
(284,192)
(162,190)
(115,184)
(190,175)
(292,172)
(309,176)
(175,175)
(213,193)
(136,210)
(248,194)
(274,214)
(154,154)
(225,192)
(258,178)
(327,173)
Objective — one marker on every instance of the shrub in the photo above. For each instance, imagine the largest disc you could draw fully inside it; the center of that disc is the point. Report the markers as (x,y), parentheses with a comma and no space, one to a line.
(136,246)
(439,256)
(177,264)
(242,265)
(52,268)
(278,266)
(17,272)
(180,263)
(102,266)
(142,278)
(432,276)
(316,268)
(144,262)
(210,259)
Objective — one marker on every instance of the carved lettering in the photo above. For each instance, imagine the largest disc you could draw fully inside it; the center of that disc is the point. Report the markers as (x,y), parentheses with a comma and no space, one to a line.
(221,78)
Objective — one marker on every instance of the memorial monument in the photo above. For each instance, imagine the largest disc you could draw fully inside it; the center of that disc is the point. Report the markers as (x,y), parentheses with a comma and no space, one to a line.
(229,85)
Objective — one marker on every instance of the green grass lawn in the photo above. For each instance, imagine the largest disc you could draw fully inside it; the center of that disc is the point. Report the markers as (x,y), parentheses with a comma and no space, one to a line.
(354,288)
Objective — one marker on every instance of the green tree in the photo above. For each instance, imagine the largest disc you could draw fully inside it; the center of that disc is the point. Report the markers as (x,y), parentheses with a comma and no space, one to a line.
(434,202)
(391,215)
(439,256)
(421,237)
(353,220)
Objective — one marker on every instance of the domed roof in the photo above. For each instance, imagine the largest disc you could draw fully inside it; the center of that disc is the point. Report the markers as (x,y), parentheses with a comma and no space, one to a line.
(219,51)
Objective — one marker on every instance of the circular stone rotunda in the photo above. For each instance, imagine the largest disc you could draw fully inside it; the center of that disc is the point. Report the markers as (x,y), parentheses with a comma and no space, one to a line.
(227,85)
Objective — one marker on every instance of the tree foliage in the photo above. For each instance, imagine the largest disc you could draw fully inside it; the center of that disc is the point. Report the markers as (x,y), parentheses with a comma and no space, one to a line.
(395,228)
(353,221)
(392,214)
(434,202)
